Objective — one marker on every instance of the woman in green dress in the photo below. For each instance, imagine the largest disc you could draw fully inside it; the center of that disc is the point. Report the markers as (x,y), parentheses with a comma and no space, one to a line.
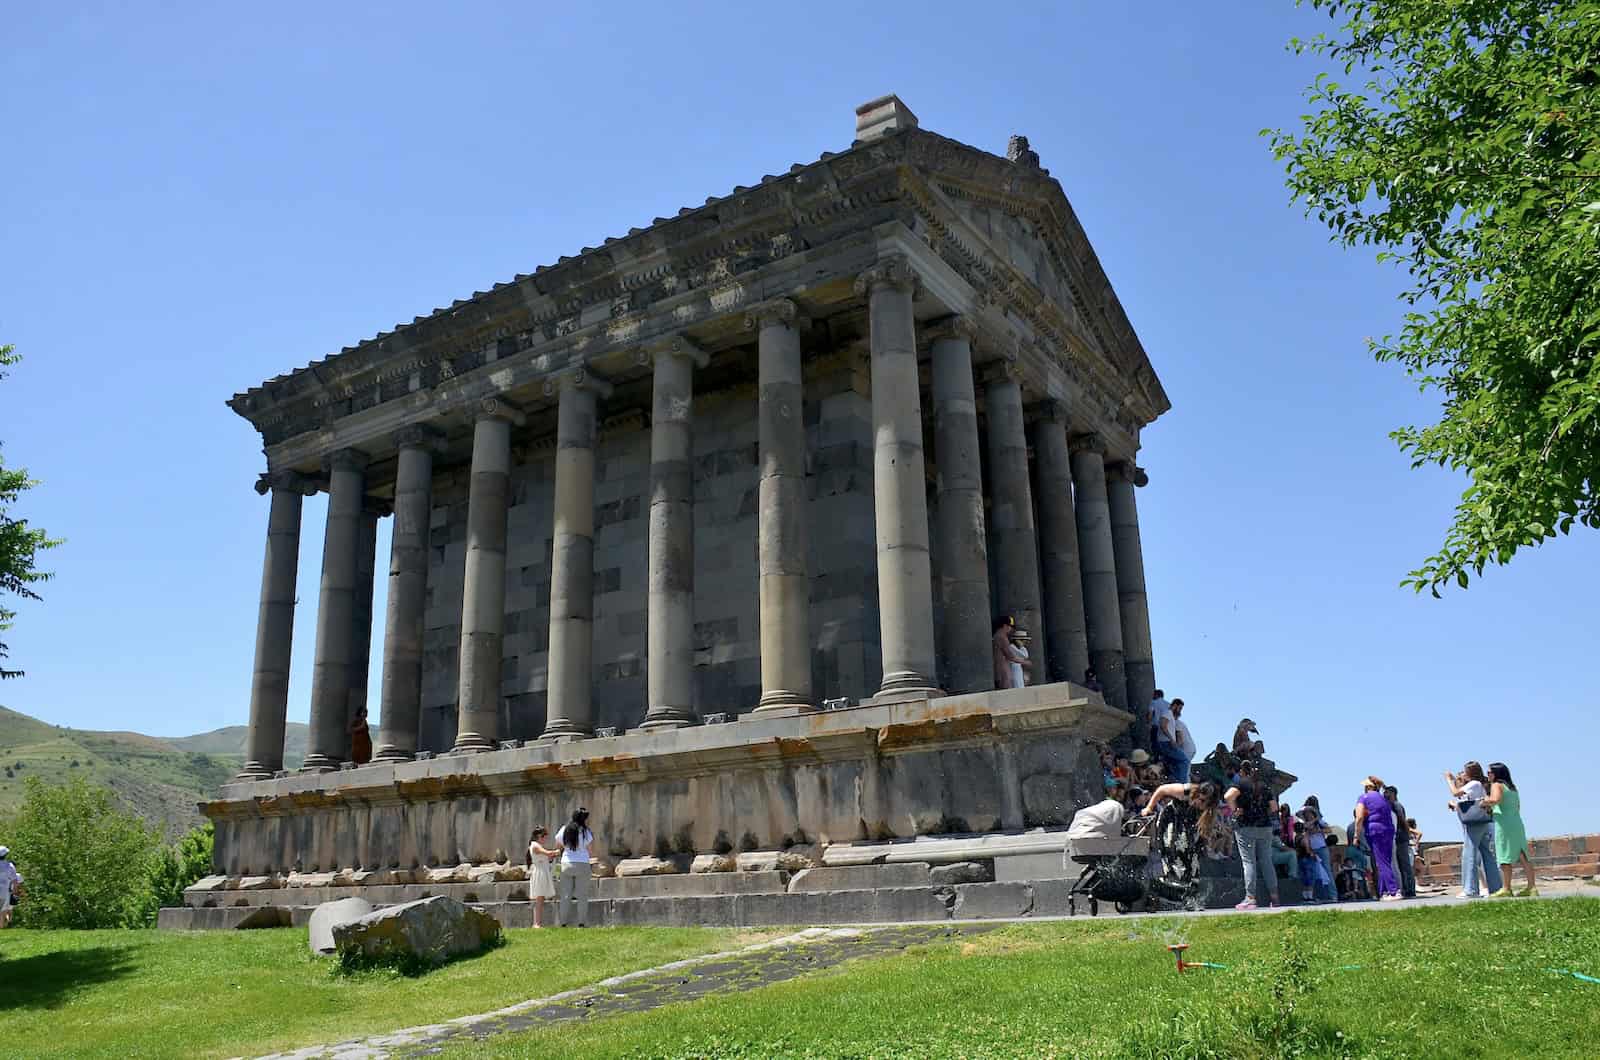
(1510,837)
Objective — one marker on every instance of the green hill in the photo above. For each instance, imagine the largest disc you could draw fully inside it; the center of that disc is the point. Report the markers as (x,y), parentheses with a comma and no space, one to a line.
(160,779)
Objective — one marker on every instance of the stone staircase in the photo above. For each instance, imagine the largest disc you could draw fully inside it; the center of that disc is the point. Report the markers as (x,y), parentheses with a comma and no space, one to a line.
(1556,857)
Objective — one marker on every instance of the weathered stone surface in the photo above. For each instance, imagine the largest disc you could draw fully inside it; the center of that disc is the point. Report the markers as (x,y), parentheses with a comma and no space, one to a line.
(859,878)
(758,861)
(646,867)
(447,874)
(497,873)
(960,872)
(309,879)
(209,883)
(266,916)
(432,929)
(600,869)
(330,915)
(714,863)
(256,883)
(979,900)
(1050,798)
(344,878)
(1016,868)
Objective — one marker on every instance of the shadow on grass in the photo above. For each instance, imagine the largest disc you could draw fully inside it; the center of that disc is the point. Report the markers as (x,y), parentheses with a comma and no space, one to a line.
(46,980)
(350,964)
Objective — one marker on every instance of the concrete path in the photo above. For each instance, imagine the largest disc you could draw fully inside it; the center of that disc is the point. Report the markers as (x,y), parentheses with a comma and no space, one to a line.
(717,973)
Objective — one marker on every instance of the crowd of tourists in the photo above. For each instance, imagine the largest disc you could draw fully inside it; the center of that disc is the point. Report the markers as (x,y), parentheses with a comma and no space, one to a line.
(1228,803)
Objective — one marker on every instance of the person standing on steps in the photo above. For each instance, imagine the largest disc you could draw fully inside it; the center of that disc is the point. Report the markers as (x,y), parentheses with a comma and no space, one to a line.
(1375,820)
(360,738)
(1510,837)
(1255,811)
(541,884)
(575,869)
(1008,661)
(1184,743)
(1477,828)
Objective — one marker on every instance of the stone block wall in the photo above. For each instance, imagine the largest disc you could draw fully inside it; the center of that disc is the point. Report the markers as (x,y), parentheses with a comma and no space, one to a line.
(844,603)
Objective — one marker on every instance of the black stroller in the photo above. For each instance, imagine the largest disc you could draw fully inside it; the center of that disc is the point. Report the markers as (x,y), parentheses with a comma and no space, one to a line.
(1118,870)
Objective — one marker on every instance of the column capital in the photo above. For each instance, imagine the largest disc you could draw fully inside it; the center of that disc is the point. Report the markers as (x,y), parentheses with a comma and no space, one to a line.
(576,378)
(1050,410)
(345,460)
(958,326)
(892,270)
(676,346)
(418,436)
(1001,370)
(1127,471)
(498,408)
(292,481)
(773,311)
(377,506)
(1088,443)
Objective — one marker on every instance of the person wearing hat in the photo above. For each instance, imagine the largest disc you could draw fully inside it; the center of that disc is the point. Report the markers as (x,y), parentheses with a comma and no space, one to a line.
(1243,746)
(1009,660)
(10,882)
(1310,814)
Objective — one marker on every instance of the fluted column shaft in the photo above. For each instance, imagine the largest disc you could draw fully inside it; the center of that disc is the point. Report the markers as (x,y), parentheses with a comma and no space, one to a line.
(401,710)
(669,601)
(1133,606)
(900,503)
(332,669)
(269,682)
(966,656)
(1013,546)
(1060,576)
(571,710)
(785,589)
(483,591)
(1098,560)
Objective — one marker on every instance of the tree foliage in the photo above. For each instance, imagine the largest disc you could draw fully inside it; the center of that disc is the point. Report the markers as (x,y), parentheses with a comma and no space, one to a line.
(20,543)
(1469,153)
(172,868)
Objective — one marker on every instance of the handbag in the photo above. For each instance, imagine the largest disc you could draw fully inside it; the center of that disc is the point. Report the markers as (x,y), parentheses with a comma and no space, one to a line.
(1472,811)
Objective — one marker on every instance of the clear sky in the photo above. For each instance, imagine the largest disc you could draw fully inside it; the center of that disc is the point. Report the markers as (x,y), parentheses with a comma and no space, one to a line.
(197,197)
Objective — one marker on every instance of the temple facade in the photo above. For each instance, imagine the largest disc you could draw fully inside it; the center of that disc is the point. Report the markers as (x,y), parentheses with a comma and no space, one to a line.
(783,456)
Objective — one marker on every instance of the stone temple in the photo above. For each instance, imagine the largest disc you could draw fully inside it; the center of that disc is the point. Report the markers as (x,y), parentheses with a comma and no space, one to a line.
(705,528)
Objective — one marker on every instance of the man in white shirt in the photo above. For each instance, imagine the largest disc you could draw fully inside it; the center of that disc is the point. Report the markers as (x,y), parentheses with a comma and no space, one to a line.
(1183,743)
(1163,739)
(9,878)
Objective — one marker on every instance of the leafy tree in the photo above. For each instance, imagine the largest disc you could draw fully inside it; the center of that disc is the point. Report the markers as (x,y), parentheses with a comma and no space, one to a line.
(84,859)
(20,544)
(172,868)
(1469,152)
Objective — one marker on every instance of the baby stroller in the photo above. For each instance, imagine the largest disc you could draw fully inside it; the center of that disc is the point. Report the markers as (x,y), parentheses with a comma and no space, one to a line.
(1114,870)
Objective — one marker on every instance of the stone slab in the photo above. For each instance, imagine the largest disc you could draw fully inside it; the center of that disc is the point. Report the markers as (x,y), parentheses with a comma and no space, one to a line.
(1017,868)
(980,900)
(860,877)
(939,850)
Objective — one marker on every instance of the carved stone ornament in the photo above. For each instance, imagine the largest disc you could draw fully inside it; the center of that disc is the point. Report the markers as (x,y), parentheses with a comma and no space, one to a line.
(1005,369)
(345,460)
(418,436)
(292,481)
(774,311)
(1051,410)
(1088,443)
(952,327)
(578,378)
(677,346)
(377,506)
(891,271)
(498,408)
(1018,151)
(1127,471)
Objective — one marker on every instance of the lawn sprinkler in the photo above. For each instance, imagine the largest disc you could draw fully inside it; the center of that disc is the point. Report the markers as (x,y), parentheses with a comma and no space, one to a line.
(1177,949)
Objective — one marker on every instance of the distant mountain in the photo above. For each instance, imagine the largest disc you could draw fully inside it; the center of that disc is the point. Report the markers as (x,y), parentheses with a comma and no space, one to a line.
(161,779)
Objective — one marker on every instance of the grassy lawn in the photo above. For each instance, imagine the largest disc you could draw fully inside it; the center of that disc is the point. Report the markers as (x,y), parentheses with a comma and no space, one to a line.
(120,994)
(1450,981)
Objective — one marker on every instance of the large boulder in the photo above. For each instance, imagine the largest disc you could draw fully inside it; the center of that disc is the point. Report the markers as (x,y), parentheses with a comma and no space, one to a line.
(431,930)
(329,915)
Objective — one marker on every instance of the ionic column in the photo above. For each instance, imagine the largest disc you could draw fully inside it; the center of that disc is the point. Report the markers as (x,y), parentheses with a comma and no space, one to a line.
(1137,658)
(331,672)
(1098,560)
(669,601)
(483,591)
(1013,547)
(1060,576)
(269,682)
(900,503)
(785,589)
(570,712)
(401,709)
(965,651)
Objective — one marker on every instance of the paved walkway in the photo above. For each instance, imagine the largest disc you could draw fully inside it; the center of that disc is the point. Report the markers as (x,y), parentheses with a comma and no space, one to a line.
(718,973)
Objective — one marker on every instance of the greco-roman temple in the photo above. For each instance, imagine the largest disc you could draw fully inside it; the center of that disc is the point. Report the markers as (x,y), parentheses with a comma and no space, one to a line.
(705,529)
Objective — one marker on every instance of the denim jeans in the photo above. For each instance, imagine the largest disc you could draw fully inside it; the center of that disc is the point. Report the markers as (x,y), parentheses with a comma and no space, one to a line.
(1289,860)
(1326,856)
(1255,850)
(1403,865)
(1477,845)
(1175,760)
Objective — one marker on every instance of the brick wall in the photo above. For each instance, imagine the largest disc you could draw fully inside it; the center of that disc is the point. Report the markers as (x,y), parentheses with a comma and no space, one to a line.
(1564,855)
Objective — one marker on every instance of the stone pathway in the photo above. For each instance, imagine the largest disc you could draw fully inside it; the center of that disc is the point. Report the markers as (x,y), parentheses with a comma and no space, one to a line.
(718,973)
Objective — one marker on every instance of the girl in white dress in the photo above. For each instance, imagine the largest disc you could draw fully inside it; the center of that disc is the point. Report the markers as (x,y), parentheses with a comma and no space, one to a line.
(541,884)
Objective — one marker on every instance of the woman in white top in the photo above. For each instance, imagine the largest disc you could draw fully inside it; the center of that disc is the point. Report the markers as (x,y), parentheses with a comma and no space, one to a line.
(574,886)
(541,884)
(1477,829)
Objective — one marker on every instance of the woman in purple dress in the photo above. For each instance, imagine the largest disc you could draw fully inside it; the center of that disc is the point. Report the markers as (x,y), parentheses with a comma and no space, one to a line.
(1375,820)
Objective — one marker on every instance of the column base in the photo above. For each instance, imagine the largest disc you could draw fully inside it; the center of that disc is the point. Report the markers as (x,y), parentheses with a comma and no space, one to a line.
(782,703)
(319,763)
(392,754)
(255,771)
(916,685)
(473,744)
(562,729)
(660,718)
(902,695)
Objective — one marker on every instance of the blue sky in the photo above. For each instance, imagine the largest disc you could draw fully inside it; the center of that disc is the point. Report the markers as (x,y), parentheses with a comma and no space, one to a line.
(196,199)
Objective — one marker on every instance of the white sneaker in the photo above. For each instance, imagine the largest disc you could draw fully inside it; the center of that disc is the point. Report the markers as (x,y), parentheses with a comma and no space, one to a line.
(1464,894)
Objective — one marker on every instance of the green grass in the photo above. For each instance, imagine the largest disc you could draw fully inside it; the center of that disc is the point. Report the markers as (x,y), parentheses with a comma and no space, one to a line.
(119,994)
(1451,981)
